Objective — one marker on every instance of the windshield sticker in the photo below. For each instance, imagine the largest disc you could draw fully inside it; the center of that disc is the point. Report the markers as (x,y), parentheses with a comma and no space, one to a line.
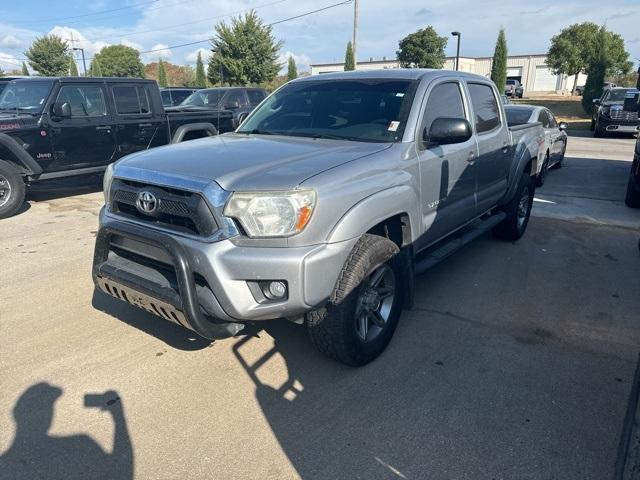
(393,126)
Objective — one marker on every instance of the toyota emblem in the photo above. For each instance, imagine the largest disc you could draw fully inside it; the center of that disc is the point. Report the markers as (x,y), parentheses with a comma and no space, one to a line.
(147,203)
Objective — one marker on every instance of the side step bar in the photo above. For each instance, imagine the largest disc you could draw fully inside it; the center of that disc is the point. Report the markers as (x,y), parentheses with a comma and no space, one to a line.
(475,230)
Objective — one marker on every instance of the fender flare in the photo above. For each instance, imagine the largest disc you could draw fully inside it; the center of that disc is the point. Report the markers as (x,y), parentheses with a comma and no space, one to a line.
(23,160)
(376,208)
(182,130)
(525,157)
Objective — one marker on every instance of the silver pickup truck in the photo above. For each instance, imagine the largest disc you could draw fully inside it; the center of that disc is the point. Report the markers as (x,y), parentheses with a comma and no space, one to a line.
(320,208)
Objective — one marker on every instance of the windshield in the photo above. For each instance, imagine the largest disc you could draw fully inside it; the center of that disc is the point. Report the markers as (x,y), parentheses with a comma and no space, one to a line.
(372,110)
(616,96)
(205,98)
(517,116)
(28,96)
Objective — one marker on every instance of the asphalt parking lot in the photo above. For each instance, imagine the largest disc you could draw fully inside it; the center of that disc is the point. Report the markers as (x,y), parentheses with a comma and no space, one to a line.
(516,361)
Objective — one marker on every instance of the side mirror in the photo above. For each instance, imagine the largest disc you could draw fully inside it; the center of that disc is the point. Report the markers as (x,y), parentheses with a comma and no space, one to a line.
(61,110)
(234,105)
(563,126)
(446,130)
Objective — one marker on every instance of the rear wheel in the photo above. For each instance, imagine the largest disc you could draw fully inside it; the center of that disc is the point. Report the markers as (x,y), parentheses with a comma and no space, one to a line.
(518,211)
(361,317)
(12,190)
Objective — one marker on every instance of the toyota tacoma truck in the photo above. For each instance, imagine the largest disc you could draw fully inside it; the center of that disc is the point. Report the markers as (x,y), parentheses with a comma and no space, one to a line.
(320,208)
(60,127)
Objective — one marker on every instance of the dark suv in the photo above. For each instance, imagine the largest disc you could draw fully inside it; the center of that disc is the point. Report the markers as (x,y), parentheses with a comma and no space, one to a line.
(172,96)
(615,111)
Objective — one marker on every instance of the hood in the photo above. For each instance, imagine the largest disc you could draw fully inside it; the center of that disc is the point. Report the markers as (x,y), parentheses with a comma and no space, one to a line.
(11,122)
(251,162)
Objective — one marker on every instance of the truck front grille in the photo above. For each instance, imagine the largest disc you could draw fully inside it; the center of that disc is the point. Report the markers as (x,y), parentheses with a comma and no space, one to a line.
(177,210)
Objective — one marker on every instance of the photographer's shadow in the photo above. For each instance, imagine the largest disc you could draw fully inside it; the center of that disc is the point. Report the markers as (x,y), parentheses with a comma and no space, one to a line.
(36,454)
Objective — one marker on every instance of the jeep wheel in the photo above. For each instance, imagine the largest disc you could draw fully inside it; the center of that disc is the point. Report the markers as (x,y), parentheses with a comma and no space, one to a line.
(632,199)
(518,211)
(12,190)
(361,316)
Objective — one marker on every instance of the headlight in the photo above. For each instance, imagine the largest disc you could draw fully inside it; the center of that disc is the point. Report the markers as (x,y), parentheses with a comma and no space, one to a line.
(106,182)
(272,214)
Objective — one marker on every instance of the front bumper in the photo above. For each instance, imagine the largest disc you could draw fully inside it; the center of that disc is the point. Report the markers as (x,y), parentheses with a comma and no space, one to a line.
(615,125)
(210,287)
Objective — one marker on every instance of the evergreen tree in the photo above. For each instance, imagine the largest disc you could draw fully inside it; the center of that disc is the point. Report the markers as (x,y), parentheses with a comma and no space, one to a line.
(499,64)
(244,52)
(201,79)
(292,70)
(25,70)
(73,68)
(49,56)
(596,72)
(162,74)
(349,60)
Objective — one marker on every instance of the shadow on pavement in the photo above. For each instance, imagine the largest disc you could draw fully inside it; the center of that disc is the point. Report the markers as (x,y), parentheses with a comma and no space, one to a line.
(174,335)
(35,454)
(67,187)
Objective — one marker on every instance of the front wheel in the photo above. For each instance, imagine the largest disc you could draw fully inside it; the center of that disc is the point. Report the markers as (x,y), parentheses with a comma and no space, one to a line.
(12,190)
(360,318)
(518,211)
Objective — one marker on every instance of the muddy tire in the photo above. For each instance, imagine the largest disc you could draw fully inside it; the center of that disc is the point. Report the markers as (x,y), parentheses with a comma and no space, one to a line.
(518,211)
(361,316)
(12,190)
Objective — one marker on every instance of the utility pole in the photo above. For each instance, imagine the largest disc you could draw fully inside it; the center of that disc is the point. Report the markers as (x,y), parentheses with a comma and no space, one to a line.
(84,63)
(355,34)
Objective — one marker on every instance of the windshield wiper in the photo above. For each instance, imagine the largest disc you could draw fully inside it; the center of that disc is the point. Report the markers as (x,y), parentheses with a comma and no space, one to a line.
(257,131)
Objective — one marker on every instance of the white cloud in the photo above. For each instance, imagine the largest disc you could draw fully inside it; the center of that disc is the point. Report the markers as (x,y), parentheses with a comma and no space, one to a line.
(302,61)
(9,41)
(193,56)
(160,50)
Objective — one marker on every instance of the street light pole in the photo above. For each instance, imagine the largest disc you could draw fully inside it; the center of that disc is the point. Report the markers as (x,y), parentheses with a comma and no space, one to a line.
(457,34)
(84,63)
(355,34)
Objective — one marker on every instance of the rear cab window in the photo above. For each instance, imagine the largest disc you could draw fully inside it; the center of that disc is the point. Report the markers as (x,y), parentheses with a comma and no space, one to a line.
(255,97)
(485,107)
(131,100)
(517,116)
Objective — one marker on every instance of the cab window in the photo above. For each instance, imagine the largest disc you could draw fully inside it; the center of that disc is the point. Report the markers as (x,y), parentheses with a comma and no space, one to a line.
(85,101)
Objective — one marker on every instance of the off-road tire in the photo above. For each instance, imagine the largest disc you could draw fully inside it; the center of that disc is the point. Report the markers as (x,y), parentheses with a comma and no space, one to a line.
(332,328)
(17,195)
(632,198)
(511,229)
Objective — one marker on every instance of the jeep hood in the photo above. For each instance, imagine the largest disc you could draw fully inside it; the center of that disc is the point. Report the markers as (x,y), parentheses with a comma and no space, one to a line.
(251,162)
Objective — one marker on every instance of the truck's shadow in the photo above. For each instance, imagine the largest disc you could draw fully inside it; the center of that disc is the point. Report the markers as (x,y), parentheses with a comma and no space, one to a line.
(35,454)
(54,189)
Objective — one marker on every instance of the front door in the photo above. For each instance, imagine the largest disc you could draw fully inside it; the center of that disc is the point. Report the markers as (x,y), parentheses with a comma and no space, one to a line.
(447,172)
(86,138)
(494,146)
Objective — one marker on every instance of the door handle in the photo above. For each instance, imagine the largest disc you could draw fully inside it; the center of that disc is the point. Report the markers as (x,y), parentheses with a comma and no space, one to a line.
(471,158)
(107,128)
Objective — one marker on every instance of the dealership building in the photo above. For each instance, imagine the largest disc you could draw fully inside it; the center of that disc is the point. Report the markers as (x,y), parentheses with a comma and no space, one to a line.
(530,70)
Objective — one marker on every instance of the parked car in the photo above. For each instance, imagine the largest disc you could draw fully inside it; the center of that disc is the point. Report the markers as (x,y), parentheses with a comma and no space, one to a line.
(555,135)
(611,113)
(505,100)
(514,89)
(172,96)
(632,198)
(59,127)
(240,101)
(316,207)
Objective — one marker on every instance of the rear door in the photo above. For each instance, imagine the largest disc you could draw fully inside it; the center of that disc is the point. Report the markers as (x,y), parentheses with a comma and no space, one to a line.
(494,148)
(86,138)
(447,172)
(138,126)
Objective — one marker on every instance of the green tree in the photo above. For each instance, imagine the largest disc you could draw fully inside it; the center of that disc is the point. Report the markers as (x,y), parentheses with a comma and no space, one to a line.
(94,68)
(597,70)
(292,70)
(73,68)
(49,56)
(120,61)
(201,79)
(25,70)
(422,49)
(349,59)
(575,49)
(244,52)
(499,63)
(162,74)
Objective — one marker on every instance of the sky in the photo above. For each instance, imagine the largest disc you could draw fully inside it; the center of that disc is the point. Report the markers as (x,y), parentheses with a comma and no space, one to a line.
(317,38)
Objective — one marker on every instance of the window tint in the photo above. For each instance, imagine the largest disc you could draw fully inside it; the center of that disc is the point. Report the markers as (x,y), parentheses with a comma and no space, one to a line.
(131,100)
(485,107)
(445,100)
(552,120)
(255,96)
(180,96)
(85,101)
(166,98)
(235,96)
(517,116)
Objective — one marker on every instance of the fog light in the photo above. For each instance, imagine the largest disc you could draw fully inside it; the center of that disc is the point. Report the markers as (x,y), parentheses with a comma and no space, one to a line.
(276,290)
